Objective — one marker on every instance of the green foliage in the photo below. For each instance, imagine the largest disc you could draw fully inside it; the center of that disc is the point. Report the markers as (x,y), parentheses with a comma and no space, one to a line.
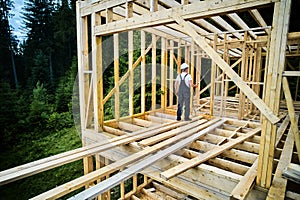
(52,144)
(59,121)
(39,108)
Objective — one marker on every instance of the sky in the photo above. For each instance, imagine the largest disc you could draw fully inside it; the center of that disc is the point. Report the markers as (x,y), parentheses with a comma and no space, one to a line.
(16,21)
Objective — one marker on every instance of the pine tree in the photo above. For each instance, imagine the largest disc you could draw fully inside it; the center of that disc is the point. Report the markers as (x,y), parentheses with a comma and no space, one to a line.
(38,18)
(7,44)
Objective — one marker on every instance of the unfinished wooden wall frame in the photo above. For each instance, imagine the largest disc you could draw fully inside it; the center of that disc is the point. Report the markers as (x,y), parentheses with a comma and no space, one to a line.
(240,124)
(238,81)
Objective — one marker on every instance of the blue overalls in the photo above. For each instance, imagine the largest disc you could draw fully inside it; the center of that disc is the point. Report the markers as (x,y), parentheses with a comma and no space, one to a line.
(183,99)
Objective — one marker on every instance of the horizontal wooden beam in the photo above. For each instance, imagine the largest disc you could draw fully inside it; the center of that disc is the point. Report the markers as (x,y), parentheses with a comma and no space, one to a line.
(291,73)
(101,6)
(195,10)
(253,97)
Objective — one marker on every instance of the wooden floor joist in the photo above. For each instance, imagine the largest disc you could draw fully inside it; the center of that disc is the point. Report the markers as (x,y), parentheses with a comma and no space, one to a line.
(114,180)
(81,181)
(278,187)
(243,188)
(206,156)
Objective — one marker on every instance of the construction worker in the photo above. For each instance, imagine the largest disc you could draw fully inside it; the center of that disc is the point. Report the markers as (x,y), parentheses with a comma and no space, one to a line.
(183,84)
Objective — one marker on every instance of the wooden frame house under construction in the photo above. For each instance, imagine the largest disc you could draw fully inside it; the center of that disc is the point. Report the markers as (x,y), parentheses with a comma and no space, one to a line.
(243,140)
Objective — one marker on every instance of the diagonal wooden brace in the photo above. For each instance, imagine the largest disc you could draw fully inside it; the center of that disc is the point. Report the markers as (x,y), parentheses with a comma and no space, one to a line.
(254,98)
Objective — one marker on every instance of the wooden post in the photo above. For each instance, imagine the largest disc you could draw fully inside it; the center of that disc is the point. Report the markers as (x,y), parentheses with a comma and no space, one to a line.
(241,111)
(179,55)
(273,89)
(130,68)
(198,72)
(143,71)
(293,119)
(171,73)
(192,71)
(212,79)
(153,72)
(116,76)
(163,73)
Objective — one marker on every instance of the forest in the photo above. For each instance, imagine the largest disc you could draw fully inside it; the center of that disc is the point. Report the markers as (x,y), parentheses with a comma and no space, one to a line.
(36,85)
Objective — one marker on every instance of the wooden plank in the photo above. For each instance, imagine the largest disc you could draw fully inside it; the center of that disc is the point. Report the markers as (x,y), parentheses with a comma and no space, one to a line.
(292,173)
(200,9)
(169,191)
(35,167)
(272,89)
(101,6)
(131,75)
(129,127)
(171,73)
(206,156)
(113,131)
(294,123)
(291,73)
(130,171)
(278,187)
(141,122)
(153,72)
(143,71)
(166,135)
(163,80)
(243,188)
(234,17)
(258,102)
(116,77)
(233,153)
(218,162)
(212,78)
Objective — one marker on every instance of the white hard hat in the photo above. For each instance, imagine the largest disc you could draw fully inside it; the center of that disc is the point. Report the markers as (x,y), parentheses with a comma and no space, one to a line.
(184,66)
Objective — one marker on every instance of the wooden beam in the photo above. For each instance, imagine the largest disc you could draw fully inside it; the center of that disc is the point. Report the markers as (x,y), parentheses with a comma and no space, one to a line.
(294,122)
(116,77)
(273,84)
(143,71)
(291,73)
(292,173)
(131,75)
(157,138)
(130,171)
(206,156)
(278,187)
(258,102)
(35,167)
(153,72)
(245,185)
(163,75)
(199,9)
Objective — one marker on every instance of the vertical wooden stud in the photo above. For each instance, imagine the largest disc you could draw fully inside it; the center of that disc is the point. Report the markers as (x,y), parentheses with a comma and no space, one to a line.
(213,76)
(198,72)
(153,72)
(294,124)
(273,89)
(171,72)
(130,68)
(163,73)
(129,9)
(143,71)
(179,56)
(116,76)
(191,57)
(241,111)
